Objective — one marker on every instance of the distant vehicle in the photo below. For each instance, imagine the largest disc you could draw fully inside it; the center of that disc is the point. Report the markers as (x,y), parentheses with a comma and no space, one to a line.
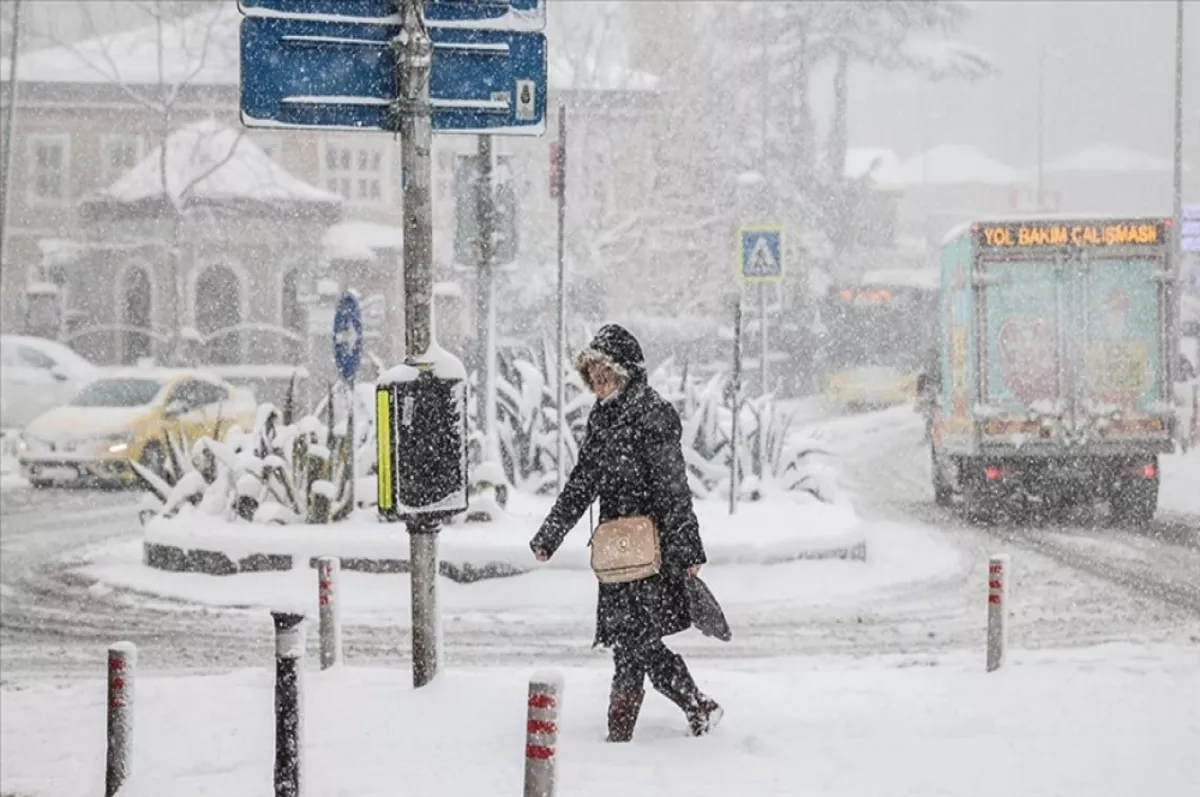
(1053,387)
(878,330)
(36,375)
(124,416)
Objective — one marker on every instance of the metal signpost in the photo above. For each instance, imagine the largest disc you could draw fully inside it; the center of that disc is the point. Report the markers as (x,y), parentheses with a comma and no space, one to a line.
(760,259)
(412,67)
(558,189)
(347,355)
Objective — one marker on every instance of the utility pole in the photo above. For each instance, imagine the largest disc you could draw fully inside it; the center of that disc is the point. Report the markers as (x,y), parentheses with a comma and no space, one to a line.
(1177,202)
(560,164)
(416,143)
(485,306)
(1041,134)
(10,121)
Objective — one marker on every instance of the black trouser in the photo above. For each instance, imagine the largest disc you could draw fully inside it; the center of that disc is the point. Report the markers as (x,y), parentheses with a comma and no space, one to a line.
(667,670)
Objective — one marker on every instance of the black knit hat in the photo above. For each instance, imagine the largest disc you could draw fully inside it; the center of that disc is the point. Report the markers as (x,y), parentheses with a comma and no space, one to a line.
(615,347)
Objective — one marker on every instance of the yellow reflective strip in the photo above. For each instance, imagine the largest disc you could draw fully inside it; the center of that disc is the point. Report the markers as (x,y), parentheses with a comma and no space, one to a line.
(383,436)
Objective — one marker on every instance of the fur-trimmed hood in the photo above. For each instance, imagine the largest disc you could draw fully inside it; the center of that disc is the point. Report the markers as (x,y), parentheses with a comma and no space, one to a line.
(614,347)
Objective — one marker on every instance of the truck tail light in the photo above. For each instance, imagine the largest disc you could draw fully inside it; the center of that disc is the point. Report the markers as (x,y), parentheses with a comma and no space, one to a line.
(993,473)
(1149,471)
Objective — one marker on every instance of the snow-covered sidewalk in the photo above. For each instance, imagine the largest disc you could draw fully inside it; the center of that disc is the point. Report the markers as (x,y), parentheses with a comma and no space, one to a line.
(1112,721)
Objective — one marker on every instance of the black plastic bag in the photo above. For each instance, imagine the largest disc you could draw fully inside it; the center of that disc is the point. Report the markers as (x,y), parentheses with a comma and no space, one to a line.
(707,615)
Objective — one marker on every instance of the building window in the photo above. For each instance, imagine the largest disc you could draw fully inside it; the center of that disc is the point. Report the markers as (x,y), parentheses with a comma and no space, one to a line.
(356,173)
(119,154)
(49,158)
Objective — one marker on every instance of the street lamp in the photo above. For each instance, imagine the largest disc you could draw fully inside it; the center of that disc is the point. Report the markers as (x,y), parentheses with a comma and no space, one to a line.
(1177,199)
(1043,54)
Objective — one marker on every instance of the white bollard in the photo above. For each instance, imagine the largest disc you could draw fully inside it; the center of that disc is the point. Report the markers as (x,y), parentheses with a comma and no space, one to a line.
(122,660)
(329,611)
(541,733)
(997,631)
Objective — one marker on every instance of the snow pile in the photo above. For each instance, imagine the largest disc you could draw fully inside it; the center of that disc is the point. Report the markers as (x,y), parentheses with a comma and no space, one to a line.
(900,556)
(210,162)
(1180,477)
(764,532)
(10,477)
(1095,723)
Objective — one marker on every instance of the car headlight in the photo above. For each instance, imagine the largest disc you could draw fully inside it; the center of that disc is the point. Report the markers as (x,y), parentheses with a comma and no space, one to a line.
(115,443)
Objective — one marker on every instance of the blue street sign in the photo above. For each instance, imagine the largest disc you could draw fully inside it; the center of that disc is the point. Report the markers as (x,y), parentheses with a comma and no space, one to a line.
(300,73)
(528,15)
(347,336)
(760,253)
(1190,230)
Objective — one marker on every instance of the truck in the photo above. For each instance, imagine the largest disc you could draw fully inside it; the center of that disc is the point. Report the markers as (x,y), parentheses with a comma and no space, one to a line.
(1050,378)
(878,329)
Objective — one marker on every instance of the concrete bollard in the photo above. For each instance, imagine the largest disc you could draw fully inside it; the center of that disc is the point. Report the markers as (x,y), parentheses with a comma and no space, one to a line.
(330,613)
(541,733)
(997,632)
(289,725)
(122,661)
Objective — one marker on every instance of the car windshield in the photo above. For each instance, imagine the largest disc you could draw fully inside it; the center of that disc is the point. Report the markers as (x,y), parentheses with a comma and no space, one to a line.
(118,393)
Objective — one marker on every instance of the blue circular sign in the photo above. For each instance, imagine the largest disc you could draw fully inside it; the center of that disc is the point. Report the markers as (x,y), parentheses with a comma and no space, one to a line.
(347,336)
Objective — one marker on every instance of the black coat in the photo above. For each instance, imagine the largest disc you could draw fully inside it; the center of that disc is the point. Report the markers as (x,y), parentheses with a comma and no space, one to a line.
(632,458)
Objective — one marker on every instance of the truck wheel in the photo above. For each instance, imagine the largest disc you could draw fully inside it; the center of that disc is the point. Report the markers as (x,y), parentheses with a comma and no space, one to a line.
(943,493)
(1134,505)
(979,505)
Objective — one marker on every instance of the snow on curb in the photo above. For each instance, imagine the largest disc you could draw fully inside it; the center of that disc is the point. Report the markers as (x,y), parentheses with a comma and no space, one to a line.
(783,529)
(1091,722)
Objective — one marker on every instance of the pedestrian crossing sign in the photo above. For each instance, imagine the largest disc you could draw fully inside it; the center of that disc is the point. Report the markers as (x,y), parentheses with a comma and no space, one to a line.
(760,254)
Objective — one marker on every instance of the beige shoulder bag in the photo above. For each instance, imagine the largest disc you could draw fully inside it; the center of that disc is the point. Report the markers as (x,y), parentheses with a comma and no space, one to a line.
(625,549)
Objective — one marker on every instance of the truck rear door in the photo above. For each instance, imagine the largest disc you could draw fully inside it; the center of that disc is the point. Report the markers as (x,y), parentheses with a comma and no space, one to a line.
(1122,346)
(1021,303)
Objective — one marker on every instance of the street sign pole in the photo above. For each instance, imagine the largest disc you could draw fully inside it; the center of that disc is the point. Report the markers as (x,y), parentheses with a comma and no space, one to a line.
(414,49)
(485,306)
(1176,292)
(347,355)
(560,162)
(735,402)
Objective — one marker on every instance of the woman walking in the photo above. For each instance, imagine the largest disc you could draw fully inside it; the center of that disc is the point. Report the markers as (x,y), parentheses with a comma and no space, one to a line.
(632,459)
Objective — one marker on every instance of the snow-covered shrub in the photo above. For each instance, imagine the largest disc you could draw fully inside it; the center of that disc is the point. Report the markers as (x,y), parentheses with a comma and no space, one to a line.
(769,454)
(283,470)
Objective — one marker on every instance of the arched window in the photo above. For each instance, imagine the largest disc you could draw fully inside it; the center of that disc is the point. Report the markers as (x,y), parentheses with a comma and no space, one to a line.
(218,309)
(136,304)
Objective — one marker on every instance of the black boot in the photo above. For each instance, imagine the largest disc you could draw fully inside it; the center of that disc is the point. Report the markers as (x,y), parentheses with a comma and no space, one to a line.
(675,682)
(623,710)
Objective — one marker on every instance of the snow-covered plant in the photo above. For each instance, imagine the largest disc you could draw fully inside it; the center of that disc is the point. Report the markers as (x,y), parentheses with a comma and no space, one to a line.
(769,454)
(283,470)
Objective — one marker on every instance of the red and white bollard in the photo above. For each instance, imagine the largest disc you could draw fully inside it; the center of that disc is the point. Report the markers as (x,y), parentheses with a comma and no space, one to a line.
(329,611)
(122,660)
(997,632)
(541,733)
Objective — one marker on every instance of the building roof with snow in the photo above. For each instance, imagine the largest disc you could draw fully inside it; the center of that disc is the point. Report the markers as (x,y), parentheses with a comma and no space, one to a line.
(202,49)
(209,163)
(1111,159)
(361,240)
(951,164)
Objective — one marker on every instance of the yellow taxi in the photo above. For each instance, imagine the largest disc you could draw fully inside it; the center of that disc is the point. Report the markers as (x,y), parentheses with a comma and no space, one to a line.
(125,416)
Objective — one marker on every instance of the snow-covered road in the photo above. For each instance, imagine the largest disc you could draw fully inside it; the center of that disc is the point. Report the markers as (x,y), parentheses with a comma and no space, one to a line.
(1073,586)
